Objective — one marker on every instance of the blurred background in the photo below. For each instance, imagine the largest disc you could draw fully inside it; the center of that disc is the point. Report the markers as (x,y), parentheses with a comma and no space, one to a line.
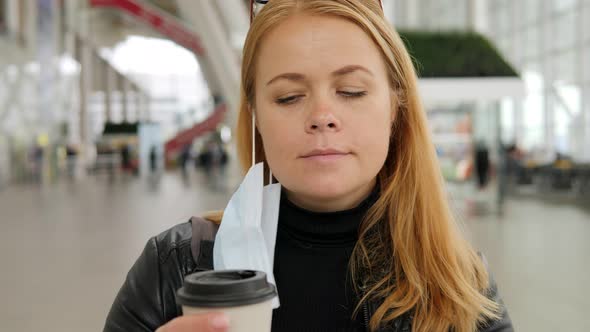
(116,122)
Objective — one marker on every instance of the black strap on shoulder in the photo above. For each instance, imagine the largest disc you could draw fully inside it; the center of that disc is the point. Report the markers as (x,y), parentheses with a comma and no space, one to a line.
(203,237)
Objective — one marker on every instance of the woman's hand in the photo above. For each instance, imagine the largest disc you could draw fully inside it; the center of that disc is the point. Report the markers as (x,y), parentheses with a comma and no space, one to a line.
(213,322)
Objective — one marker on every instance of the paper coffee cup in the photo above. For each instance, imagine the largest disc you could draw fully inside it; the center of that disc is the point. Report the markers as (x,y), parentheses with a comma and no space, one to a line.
(244,296)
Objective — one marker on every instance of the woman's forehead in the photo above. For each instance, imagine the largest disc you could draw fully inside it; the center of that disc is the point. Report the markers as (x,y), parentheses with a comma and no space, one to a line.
(316,43)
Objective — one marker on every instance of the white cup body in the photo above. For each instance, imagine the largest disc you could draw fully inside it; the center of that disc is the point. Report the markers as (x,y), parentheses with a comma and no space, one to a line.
(247,318)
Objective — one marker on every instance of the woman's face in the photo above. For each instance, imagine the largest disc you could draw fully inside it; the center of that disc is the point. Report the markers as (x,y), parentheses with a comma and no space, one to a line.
(323,109)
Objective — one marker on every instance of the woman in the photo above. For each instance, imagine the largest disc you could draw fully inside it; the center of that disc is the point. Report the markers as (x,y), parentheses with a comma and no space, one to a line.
(366,239)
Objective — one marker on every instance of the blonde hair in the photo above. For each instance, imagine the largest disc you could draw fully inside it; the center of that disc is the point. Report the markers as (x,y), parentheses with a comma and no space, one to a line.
(411,256)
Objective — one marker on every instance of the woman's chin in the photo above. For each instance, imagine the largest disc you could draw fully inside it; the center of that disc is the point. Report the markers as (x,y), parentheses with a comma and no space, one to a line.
(325,188)
(318,193)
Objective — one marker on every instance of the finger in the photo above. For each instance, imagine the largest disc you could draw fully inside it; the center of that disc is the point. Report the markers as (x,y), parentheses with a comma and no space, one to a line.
(214,322)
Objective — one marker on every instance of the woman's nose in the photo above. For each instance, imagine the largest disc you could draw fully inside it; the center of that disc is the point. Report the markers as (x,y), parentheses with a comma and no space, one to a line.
(322,120)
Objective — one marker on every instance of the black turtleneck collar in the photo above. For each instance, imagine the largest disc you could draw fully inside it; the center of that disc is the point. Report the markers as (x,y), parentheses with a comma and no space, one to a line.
(311,264)
(338,228)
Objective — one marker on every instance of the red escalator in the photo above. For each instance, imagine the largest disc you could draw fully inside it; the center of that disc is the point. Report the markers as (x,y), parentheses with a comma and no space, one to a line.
(171,27)
(185,137)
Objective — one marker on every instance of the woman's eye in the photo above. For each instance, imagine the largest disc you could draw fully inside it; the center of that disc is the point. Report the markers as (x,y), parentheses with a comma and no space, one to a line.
(352,94)
(295,98)
(288,100)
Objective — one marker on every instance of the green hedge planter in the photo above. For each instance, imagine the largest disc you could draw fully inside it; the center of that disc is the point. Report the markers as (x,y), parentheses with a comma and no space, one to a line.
(455,54)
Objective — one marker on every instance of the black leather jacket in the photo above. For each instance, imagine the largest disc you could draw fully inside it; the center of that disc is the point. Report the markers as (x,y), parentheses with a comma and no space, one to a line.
(147,298)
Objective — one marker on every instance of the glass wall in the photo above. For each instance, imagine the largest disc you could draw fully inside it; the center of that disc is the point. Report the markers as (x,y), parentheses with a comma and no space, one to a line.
(550,48)
(548,41)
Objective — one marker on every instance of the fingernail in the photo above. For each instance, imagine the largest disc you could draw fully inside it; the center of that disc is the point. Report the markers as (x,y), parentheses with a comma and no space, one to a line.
(219,321)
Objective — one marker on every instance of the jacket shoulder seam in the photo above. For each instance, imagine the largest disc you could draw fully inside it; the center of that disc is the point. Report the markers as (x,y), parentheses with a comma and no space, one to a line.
(157,248)
(174,246)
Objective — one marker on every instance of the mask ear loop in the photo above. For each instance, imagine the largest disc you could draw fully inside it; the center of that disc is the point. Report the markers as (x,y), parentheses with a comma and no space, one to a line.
(254,147)
(253,138)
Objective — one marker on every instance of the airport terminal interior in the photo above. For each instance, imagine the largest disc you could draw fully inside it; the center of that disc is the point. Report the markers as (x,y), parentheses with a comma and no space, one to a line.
(117,122)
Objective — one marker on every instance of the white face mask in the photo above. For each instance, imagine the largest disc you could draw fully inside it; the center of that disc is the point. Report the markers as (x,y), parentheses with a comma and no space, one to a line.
(247,235)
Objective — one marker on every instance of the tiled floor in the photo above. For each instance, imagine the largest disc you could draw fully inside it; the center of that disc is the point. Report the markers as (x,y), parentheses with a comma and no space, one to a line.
(65,249)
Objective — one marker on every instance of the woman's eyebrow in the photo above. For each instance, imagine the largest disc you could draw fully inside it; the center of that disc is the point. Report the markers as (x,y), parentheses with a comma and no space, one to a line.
(296,77)
(351,69)
(287,76)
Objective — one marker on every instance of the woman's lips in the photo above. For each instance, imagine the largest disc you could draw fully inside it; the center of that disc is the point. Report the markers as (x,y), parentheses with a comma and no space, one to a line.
(326,155)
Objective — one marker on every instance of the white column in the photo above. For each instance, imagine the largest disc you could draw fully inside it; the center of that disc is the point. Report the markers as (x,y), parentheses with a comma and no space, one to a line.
(140,116)
(58,23)
(412,14)
(518,120)
(109,76)
(12,16)
(544,40)
(146,107)
(12,99)
(141,106)
(477,15)
(517,36)
(235,16)
(124,97)
(471,15)
(118,86)
(85,55)
(213,81)
(225,64)
(70,48)
(20,32)
(389,9)
(30,24)
(584,83)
